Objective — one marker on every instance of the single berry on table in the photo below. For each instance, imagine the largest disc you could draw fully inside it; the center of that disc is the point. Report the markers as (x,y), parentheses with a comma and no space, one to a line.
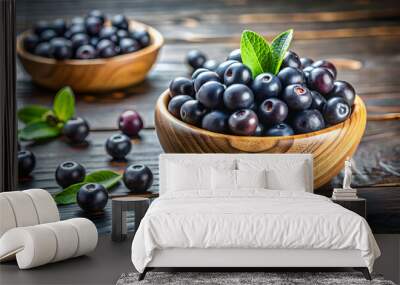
(279,130)
(266,85)
(243,122)
(92,197)
(344,90)
(235,55)
(336,110)
(181,86)
(328,65)
(211,64)
(305,62)
(291,75)
(196,58)
(120,22)
(308,121)
(26,162)
(93,25)
(297,97)
(321,80)
(30,42)
(211,94)
(238,96)
(216,121)
(272,111)
(142,36)
(175,104)
(223,66)
(197,72)
(138,178)
(47,35)
(128,45)
(76,130)
(85,52)
(318,101)
(43,49)
(130,123)
(205,77)
(237,73)
(291,59)
(192,112)
(118,146)
(69,172)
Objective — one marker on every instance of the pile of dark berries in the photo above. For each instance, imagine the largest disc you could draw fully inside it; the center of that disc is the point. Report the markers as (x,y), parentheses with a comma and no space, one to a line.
(86,38)
(224,98)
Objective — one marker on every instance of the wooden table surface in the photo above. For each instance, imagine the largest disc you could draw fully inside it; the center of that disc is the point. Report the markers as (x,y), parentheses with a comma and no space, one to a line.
(361,37)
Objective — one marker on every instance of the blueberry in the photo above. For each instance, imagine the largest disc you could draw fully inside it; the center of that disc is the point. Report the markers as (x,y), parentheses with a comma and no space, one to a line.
(291,75)
(259,130)
(43,49)
(77,21)
(211,64)
(26,162)
(85,52)
(196,58)
(30,42)
(307,70)
(235,55)
(106,48)
(47,35)
(238,96)
(243,122)
(326,64)
(266,85)
(98,14)
(92,197)
(308,121)
(344,90)
(318,101)
(75,29)
(130,123)
(197,72)
(108,33)
(216,121)
(93,25)
(297,97)
(211,94)
(122,34)
(120,22)
(79,40)
(291,59)
(237,73)
(192,112)
(181,86)
(61,48)
(41,26)
(205,77)
(59,26)
(321,80)
(118,146)
(138,178)
(128,45)
(305,62)
(76,130)
(279,130)
(223,66)
(273,111)
(336,110)
(93,41)
(69,172)
(175,104)
(142,36)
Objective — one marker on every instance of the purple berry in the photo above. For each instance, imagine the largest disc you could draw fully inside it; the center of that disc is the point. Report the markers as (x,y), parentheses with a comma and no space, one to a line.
(243,122)
(130,123)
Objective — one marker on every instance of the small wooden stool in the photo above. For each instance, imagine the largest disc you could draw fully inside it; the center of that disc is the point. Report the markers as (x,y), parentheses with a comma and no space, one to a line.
(120,205)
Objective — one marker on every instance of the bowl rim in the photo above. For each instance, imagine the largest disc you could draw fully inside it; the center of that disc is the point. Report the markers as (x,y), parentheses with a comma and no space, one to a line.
(157,42)
(359,108)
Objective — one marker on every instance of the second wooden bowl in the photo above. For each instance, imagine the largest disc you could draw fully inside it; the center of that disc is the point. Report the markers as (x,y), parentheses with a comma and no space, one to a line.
(330,147)
(94,75)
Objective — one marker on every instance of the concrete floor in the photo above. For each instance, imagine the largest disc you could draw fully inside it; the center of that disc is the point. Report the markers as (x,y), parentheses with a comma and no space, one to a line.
(103,266)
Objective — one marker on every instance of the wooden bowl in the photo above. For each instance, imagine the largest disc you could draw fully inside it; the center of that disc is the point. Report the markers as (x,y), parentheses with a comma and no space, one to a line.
(330,147)
(94,75)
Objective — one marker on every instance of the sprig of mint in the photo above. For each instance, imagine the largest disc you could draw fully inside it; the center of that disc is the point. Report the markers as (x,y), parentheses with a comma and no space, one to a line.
(261,56)
(107,178)
(45,123)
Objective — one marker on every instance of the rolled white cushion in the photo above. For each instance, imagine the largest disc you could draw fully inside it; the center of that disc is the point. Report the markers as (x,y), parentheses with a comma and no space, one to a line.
(23,208)
(45,205)
(7,218)
(87,235)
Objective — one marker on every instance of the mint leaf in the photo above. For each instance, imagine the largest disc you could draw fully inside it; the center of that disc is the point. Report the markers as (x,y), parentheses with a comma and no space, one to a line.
(107,178)
(255,52)
(64,104)
(32,113)
(279,47)
(38,131)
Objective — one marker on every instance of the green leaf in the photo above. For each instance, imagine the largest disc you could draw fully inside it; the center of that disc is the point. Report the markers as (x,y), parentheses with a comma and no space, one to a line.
(279,47)
(38,131)
(64,104)
(32,113)
(106,178)
(255,52)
